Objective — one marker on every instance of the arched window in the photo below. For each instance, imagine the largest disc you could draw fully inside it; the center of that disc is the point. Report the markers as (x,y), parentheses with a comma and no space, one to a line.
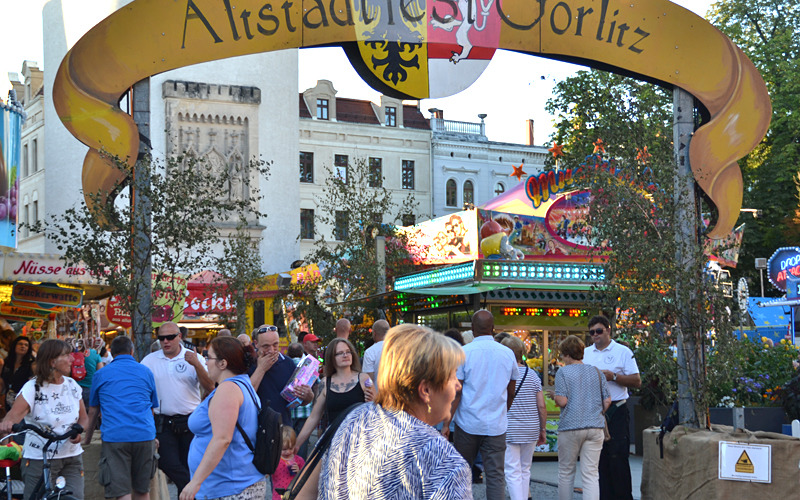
(451,193)
(499,189)
(469,192)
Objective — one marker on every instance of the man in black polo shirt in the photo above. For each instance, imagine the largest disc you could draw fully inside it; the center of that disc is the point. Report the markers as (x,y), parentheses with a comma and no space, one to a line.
(272,371)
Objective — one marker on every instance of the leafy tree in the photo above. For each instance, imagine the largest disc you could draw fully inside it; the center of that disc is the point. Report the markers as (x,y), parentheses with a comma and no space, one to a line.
(240,271)
(655,279)
(623,112)
(350,213)
(768,31)
(191,202)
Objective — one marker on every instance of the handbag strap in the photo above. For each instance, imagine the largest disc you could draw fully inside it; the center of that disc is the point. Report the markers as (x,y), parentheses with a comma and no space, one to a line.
(600,376)
(239,427)
(520,384)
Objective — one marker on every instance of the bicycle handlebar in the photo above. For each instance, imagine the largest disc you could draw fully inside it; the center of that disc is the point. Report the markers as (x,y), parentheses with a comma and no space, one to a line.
(73,431)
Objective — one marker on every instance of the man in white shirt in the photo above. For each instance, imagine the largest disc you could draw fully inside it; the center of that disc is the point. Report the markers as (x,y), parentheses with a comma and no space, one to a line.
(488,379)
(620,369)
(372,356)
(180,374)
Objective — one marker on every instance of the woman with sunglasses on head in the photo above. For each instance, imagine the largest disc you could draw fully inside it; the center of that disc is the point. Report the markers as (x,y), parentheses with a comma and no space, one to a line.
(342,385)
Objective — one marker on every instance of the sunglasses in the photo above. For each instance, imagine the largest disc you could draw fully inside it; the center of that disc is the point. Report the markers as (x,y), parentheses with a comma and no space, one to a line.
(597,331)
(167,337)
(267,329)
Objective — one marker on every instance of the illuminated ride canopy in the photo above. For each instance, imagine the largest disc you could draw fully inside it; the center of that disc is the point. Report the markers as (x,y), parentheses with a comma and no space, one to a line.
(417,49)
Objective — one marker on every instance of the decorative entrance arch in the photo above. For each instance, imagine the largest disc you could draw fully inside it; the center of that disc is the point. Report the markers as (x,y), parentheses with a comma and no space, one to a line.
(415,49)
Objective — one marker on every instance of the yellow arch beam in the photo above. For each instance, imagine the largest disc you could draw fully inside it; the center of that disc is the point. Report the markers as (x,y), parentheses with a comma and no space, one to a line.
(653,39)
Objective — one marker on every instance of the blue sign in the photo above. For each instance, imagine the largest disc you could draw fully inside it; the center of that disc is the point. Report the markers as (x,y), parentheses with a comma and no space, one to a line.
(784,262)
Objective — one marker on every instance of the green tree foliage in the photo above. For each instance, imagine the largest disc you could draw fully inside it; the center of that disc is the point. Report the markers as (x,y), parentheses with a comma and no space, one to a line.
(769,33)
(633,217)
(192,209)
(625,113)
(350,213)
(240,269)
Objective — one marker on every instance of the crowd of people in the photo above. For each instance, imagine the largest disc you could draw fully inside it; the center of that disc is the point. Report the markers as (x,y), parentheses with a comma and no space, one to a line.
(437,409)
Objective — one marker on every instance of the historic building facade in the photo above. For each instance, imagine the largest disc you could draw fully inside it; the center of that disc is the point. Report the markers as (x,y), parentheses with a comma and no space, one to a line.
(392,137)
(469,169)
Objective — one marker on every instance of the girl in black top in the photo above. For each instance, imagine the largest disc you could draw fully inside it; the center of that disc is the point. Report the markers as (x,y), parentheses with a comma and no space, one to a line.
(343,385)
(18,368)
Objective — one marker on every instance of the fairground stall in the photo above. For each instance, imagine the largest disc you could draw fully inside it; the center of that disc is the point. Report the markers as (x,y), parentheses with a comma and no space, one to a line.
(527,262)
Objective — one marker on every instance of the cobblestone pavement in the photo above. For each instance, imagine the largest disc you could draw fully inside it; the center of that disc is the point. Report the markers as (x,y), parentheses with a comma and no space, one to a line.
(539,491)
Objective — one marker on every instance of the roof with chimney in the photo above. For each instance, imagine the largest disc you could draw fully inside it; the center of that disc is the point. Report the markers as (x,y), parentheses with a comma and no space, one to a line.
(363,111)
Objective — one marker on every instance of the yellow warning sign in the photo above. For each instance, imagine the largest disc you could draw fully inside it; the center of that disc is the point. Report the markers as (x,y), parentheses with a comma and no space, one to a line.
(744,464)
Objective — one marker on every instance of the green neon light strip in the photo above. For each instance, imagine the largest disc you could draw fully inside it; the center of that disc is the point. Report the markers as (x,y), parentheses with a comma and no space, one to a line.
(451,274)
(530,271)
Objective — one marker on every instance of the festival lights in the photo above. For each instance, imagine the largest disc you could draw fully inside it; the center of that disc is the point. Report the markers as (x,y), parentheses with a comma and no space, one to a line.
(542,311)
(444,275)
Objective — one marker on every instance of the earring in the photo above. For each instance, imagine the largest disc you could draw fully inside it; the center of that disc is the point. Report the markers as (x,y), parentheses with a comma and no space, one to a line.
(429,408)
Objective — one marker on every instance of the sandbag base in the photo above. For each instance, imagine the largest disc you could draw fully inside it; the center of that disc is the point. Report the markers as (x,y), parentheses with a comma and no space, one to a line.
(690,466)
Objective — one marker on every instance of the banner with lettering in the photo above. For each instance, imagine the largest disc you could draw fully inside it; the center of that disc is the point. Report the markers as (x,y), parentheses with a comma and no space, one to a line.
(415,49)
(11,118)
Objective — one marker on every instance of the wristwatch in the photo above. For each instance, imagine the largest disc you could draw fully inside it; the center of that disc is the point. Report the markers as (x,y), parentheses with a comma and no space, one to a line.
(615,378)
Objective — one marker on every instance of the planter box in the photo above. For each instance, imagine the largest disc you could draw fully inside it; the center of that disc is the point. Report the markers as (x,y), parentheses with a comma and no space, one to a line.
(769,419)
(690,467)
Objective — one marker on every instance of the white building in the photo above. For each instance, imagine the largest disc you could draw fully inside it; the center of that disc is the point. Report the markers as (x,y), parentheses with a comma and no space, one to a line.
(469,169)
(392,137)
(31,173)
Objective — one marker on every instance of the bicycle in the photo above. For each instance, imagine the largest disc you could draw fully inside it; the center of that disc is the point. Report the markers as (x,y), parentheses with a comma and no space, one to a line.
(44,489)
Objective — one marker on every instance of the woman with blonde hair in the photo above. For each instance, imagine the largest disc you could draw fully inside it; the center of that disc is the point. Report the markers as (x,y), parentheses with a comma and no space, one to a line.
(342,386)
(390,449)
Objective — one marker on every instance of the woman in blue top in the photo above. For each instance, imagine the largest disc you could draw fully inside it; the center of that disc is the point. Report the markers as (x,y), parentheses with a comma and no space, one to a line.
(219,460)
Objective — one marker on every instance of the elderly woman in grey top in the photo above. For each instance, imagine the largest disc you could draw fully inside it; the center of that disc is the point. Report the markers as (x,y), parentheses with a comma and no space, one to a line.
(583,397)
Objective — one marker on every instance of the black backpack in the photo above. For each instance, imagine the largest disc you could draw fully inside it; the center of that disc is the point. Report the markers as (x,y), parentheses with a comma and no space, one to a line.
(267,451)
(670,421)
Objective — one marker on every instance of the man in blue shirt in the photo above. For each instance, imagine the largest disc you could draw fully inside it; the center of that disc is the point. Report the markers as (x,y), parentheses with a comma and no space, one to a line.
(125,392)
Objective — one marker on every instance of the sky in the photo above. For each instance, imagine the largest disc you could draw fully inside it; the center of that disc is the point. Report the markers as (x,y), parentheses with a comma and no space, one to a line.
(512,89)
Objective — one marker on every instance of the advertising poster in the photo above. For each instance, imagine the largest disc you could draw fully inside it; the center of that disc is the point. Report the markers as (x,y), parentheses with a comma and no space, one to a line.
(10,145)
(445,240)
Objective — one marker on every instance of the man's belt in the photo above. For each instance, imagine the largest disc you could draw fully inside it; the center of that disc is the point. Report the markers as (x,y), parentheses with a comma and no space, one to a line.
(619,403)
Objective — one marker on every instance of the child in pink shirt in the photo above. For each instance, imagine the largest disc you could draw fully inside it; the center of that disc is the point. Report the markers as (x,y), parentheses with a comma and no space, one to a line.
(289,465)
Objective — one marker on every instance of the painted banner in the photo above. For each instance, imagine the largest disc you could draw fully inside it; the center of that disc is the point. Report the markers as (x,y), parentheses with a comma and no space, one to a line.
(11,118)
(168,303)
(556,229)
(46,267)
(401,49)
(726,251)
(47,294)
(445,240)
